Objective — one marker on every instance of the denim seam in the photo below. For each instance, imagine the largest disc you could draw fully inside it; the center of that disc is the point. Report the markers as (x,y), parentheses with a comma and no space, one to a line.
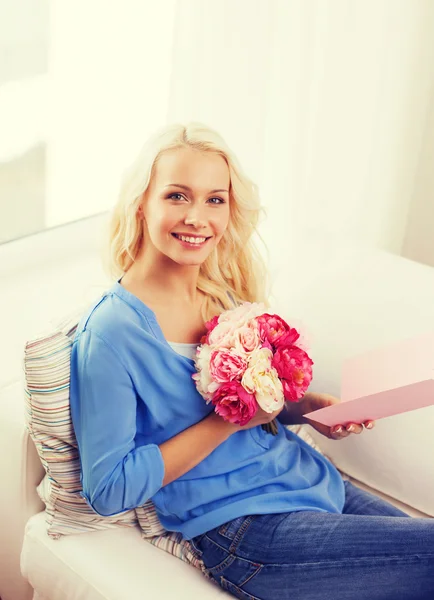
(222,530)
(229,585)
(233,547)
(351,560)
(226,562)
(240,533)
(259,567)
(195,550)
(216,543)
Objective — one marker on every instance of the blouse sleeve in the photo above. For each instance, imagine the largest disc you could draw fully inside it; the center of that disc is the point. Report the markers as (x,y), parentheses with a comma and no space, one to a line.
(116,473)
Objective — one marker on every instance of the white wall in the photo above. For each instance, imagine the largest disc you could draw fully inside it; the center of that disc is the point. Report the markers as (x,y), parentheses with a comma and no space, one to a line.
(23,38)
(109,70)
(419,236)
(23,64)
(44,277)
(325,102)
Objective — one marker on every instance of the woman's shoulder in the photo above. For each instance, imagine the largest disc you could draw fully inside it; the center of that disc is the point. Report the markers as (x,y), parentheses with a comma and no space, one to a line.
(109,317)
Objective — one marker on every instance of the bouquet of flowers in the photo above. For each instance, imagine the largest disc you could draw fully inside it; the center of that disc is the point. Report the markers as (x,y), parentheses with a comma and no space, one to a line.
(249,359)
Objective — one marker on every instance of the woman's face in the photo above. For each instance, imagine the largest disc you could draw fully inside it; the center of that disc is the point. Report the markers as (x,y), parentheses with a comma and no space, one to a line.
(188,197)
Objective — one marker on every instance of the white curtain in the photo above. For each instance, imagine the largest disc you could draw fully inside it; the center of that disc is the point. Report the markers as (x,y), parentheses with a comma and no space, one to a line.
(110,65)
(327,103)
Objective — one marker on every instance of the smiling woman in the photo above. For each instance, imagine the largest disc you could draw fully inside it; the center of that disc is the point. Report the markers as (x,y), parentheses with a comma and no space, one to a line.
(195,211)
(179,230)
(180,258)
(189,239)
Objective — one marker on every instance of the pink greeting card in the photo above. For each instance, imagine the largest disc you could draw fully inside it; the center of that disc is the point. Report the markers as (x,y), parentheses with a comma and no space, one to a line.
(383,382)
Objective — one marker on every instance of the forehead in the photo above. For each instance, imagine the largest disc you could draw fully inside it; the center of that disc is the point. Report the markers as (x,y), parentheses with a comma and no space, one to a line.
(206,170)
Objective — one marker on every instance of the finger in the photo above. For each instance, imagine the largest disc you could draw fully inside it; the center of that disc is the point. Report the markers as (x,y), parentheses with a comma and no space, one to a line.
(354,428)
(369,424)
(338,432)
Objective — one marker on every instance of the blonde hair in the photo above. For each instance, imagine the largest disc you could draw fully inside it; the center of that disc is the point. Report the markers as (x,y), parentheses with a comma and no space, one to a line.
(235,266)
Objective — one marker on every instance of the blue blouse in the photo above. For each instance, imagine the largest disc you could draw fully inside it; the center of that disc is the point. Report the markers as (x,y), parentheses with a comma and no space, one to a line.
(131,391)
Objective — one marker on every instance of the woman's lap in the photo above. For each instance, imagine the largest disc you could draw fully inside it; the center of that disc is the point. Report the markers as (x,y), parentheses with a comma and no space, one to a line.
(373,550)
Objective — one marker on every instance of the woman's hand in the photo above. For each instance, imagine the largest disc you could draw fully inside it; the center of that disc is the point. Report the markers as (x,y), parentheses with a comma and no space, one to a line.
(313,401)
(260,418)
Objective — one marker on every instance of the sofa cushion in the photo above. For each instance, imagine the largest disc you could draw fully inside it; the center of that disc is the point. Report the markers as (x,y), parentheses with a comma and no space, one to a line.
(357,299)
(123,566)
(126,567)
(48,419)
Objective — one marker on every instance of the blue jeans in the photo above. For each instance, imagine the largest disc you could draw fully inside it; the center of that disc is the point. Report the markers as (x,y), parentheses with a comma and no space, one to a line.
(373,551)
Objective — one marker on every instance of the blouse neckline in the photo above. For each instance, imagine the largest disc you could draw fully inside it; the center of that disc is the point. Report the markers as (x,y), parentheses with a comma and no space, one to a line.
(139,305)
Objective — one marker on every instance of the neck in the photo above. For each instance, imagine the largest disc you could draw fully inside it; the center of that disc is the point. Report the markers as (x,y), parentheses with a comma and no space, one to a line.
(166,282)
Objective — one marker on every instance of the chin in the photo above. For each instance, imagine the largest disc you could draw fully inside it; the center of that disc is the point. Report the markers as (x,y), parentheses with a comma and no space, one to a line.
(191,263)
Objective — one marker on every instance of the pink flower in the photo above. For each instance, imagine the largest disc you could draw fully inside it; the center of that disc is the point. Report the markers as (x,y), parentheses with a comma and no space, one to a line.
(276,331)
(267,344)
(294,368)
(221,335)
(226,366)
(212,323)
(221,331)
(234,404)
(246,338)
(250,359)
(241,314)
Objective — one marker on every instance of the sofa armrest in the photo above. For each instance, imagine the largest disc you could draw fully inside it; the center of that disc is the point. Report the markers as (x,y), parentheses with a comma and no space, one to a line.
(352,300)
(20,472)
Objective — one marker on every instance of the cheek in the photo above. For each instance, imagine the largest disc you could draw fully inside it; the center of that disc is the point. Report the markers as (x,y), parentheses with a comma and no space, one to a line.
(160,221)
(166,224)
(222,223)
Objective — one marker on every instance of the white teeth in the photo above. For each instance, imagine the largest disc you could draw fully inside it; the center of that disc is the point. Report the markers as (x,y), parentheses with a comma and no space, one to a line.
(192,240)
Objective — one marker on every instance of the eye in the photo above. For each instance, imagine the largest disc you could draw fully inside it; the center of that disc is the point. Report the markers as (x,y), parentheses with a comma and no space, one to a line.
(220,200)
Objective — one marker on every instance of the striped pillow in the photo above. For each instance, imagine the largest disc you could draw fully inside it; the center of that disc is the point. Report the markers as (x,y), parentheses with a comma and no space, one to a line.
(48,420)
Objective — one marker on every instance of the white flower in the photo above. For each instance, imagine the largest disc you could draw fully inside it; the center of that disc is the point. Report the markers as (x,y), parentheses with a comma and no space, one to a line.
(222,335)
(243,313)
(205,384)
(262,380)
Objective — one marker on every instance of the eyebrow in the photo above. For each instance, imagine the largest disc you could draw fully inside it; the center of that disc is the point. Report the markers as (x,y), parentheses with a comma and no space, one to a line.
(185,187)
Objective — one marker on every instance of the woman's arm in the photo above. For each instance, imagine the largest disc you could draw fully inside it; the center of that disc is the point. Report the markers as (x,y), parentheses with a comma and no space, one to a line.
(116,473)
(292,414)
(189,447)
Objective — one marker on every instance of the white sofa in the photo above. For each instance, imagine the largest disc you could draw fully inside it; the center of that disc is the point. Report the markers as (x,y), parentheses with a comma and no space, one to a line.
(349,297)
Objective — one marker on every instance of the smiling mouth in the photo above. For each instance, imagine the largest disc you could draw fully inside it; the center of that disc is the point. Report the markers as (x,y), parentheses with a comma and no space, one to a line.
(192,240)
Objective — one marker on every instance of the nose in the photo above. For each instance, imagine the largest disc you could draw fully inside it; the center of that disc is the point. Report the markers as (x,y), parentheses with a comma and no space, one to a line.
(194,217)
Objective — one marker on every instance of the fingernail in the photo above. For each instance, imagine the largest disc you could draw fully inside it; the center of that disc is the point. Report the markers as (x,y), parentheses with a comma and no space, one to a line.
(369,426)
(350,428)
(338,429)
